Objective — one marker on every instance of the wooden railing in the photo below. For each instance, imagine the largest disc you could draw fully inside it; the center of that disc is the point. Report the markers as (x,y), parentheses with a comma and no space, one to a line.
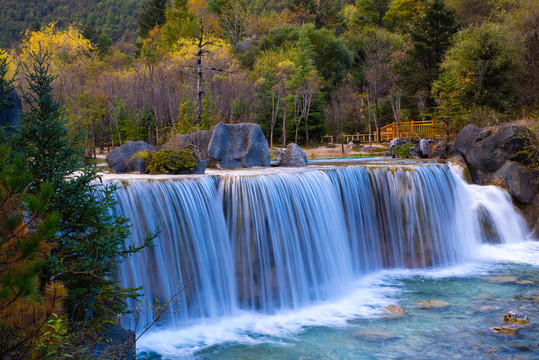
(430,129)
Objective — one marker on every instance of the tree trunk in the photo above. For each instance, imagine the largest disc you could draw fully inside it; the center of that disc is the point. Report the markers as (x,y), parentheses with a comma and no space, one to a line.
(200,91)
(284,126)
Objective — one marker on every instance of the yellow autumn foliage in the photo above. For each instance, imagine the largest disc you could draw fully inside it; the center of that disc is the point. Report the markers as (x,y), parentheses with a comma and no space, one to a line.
(67,47)
(219,54)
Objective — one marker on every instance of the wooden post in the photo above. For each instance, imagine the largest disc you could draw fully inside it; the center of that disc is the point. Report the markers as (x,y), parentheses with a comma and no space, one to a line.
(413,128)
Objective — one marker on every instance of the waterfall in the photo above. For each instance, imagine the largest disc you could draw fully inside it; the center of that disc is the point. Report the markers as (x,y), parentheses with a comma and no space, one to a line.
(287,240)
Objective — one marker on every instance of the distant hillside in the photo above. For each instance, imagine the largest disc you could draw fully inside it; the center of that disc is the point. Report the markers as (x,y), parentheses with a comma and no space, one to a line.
(116,18)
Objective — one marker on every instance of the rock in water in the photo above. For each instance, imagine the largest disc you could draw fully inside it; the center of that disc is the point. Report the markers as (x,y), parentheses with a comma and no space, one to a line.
(500,279)
(516,319)
(375,335)
(238,146)
(119,157)
(510,330)
(396,309)
(432,304)
(293,156)
(11,111)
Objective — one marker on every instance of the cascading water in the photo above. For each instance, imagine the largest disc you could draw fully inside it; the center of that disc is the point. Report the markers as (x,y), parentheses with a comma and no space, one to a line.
(290,240)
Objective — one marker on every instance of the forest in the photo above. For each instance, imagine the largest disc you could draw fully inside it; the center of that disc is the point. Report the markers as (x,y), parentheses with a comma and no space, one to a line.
(93,75)
(301,69)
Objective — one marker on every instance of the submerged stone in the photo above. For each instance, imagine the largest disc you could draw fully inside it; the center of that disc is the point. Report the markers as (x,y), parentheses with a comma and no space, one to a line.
(510,330)
(432,304)
(500,279)
(375,335)
(396,309)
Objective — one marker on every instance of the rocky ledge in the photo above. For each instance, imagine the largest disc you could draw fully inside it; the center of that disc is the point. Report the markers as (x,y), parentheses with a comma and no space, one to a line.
(508,158)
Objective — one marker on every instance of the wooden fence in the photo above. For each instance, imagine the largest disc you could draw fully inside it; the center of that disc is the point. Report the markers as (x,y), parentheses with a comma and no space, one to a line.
(429,129)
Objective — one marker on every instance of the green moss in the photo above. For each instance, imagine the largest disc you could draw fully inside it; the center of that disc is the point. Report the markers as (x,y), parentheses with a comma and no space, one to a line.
(172,162)
(403,151)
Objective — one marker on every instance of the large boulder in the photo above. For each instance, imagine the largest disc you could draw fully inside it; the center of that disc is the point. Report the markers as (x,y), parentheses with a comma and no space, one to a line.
(118,158)
(10,109)
(508,158)
(486,152)
(466,139)
(293,156)
(200,139)
(505,157)
(238,146)
(226,146)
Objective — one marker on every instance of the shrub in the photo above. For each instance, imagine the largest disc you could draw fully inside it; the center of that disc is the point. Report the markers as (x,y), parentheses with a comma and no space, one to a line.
(403,151)
(172,162)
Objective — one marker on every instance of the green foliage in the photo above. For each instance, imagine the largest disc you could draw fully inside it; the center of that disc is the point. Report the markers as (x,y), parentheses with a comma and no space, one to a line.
(27,225)
(449,109)
(403,151)
(483,60)
(172,162)
(402,12)
(431,36)
(152,15)
(372,11)
(179,23)
(89,239)
(115,18)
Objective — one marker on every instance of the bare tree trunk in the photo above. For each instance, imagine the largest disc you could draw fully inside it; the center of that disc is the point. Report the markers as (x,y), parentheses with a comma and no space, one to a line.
(200,90)
(284,127)
(93,138)
(370,119)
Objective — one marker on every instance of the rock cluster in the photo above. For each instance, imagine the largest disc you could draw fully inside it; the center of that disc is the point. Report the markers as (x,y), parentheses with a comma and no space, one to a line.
(421,148)
(507,157)
(225,146)
(228,146)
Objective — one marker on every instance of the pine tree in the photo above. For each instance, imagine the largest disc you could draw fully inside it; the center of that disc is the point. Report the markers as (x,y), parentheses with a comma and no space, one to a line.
(152,15)
(90,240)
(27,228)
(430,36)
(449,110)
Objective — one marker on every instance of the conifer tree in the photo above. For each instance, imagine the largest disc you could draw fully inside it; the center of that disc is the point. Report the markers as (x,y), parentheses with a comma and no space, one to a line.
(430,36)
(89,242)
(449,110)
(151,16)
(27,228)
